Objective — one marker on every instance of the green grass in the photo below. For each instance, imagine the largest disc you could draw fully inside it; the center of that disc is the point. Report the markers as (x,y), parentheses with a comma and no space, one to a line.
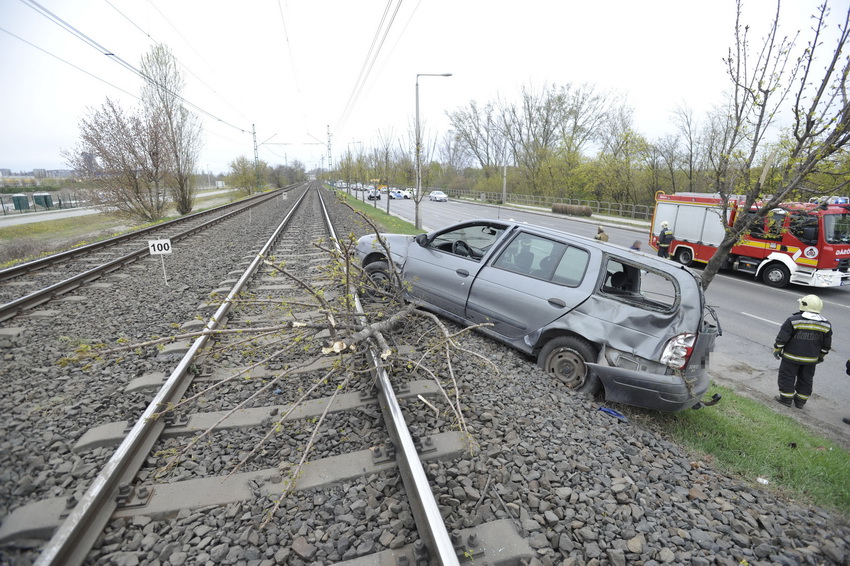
(386,222)
(746,438)
(25,242)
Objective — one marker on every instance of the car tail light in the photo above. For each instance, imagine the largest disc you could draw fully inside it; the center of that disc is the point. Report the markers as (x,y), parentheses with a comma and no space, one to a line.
(678,350)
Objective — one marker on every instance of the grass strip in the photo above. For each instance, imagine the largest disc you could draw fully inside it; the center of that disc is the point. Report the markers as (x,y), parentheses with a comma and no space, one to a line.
(744,437)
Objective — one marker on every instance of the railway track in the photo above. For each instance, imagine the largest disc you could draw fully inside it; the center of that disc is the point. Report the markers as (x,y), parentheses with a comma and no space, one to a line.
(520,470)
(32,283)
(271,403)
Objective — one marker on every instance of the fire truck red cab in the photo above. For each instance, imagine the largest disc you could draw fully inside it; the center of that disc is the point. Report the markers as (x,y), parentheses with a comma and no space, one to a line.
(802,243)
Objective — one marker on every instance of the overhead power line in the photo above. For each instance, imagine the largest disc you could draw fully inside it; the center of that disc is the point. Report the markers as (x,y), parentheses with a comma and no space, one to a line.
(369,61)
(19,38)
(95,45)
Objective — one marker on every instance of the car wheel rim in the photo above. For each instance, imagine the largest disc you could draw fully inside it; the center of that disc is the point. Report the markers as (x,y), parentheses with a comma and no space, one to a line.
(568,366)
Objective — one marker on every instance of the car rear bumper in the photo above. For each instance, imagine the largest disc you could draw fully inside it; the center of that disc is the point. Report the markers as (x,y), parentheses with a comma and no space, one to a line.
(652,391)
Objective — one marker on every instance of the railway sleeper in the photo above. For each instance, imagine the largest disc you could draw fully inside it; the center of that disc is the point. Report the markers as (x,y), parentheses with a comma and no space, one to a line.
(111,434)
(40,519)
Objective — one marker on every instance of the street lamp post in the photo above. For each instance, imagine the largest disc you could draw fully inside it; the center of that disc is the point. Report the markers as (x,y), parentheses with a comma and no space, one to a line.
(417,198)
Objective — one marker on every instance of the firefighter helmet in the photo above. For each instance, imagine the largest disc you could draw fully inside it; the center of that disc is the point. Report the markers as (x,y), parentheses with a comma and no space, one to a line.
(810,303)
(665,224)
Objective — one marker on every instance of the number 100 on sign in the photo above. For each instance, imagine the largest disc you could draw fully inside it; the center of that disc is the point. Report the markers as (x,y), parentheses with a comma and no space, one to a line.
(159,247)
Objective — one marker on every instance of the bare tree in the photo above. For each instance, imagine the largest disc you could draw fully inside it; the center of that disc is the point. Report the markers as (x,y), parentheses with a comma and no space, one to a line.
(780,79)
(585,111)
(479,137)
(161,98)
(531,130)
(121,157)
(622,150)
(666,150)
(689,133)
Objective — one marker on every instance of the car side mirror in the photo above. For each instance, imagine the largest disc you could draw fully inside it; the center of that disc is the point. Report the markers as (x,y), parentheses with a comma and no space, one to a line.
(422,240)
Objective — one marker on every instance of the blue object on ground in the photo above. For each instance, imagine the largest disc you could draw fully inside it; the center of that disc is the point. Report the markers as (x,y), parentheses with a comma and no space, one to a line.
(614,413)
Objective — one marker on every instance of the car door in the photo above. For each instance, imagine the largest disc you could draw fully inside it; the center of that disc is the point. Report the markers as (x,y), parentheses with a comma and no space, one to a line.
(442,268)
(531,283)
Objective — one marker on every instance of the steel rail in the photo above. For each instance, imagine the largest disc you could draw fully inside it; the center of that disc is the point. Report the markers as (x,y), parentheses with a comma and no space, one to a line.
(40,263)
(77,534)
(426,513)
(13,308)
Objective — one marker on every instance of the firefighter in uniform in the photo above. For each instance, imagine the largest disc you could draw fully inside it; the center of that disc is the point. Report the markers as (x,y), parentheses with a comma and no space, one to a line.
(803,341)
(665,236)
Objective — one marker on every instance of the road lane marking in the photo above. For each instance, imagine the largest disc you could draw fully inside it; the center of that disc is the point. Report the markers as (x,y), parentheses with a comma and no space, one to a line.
(762,319)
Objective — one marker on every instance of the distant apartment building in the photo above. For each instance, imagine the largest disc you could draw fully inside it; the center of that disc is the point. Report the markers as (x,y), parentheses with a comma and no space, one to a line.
(32,178)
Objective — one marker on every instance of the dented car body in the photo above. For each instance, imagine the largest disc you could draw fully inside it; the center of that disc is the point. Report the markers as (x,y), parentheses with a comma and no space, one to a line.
(596,316)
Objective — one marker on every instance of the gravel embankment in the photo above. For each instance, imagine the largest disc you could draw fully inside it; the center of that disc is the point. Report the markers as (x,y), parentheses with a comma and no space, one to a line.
(582,487)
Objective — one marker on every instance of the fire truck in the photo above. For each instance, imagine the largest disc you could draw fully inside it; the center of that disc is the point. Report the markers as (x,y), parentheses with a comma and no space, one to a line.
(806,243)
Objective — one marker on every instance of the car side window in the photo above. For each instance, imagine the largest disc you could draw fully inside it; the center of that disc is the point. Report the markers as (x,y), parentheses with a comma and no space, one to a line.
(637,285)
(545,259)
(571,268)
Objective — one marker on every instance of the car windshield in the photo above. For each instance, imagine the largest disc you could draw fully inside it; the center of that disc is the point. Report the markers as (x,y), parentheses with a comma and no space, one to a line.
(478,238)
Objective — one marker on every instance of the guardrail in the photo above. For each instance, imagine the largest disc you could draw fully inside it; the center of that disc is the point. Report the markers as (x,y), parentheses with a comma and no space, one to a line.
(624,210)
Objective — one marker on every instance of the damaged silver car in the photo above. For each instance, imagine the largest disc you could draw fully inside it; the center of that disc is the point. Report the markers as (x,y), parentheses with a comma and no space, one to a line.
(598,317)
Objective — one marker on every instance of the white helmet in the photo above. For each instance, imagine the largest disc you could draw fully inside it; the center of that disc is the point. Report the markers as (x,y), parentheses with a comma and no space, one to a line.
(810,303)
(665,224)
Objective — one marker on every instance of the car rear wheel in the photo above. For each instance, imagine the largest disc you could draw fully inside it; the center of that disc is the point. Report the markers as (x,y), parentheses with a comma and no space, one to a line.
(565,358)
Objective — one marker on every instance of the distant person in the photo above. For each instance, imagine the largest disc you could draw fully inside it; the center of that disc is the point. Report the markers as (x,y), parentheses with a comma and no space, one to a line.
(601,235)
(665,236)
(803,341)
(635,246)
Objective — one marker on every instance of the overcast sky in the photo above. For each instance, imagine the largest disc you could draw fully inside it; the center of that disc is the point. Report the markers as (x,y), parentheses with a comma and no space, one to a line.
(295,68)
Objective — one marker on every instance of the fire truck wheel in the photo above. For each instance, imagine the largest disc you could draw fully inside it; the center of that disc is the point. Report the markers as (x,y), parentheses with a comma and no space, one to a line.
(684,256)
(776,275)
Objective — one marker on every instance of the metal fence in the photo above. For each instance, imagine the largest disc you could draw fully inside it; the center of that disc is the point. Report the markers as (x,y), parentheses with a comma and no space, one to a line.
(21,203)
(621,209)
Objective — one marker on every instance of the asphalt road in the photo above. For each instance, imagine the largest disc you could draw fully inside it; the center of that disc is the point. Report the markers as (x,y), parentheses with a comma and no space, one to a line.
(750,314)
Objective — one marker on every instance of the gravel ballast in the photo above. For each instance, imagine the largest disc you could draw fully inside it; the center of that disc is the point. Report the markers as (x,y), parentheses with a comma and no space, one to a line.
(580,486)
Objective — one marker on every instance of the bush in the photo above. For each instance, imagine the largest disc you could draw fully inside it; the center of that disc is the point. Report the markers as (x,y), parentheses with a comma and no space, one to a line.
(571,209)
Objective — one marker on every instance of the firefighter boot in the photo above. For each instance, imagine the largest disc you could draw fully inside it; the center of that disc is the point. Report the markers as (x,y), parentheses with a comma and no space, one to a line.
(800,400)
(785,398)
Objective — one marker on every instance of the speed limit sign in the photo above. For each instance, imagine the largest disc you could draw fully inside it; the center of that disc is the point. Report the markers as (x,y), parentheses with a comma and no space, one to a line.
(160,248)
(157,247)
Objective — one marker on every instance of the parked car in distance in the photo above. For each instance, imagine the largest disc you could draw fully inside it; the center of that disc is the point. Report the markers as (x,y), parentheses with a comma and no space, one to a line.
(373,194)
(597,317)
(405,193)
(396,194)
(438,196)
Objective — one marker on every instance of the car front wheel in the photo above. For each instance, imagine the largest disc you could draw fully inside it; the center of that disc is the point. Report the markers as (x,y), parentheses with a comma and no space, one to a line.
(381,282)
(565,358)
